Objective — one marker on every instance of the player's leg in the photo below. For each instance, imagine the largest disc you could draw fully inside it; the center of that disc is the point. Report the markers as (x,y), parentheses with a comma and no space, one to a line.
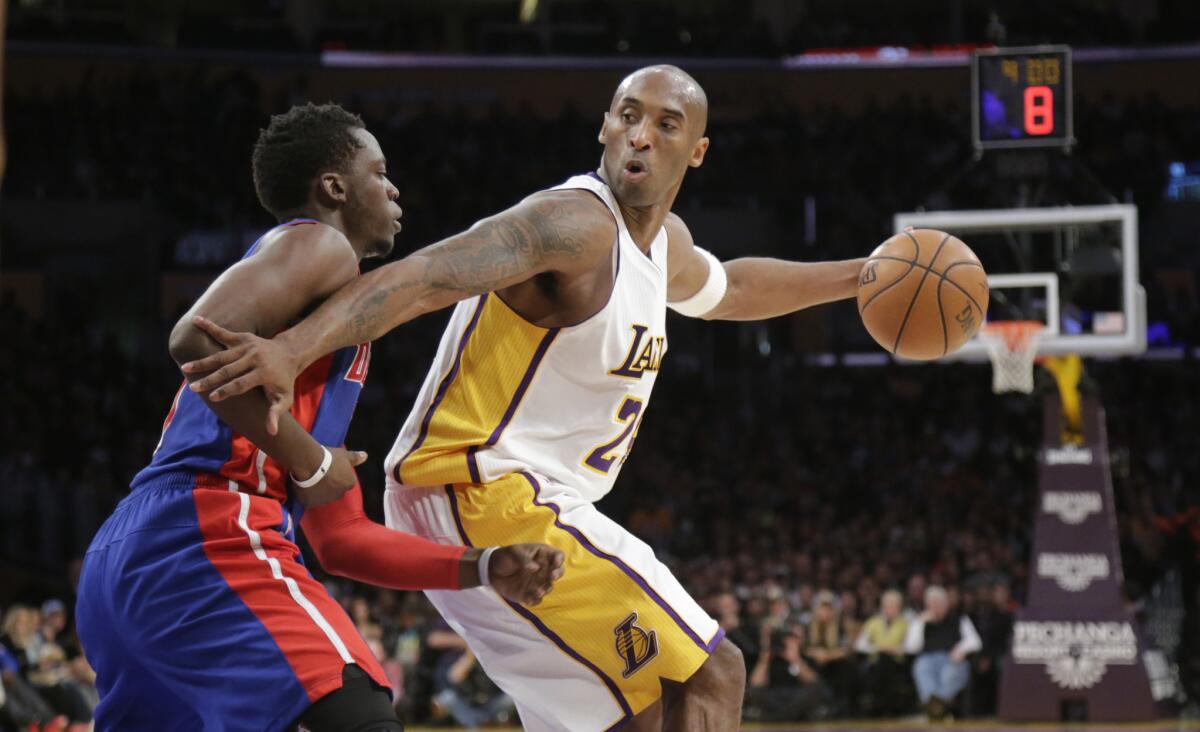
(649,719)
(361,705)
(131,697)
(320,648)
(592,654)
(220,613)
(712,698)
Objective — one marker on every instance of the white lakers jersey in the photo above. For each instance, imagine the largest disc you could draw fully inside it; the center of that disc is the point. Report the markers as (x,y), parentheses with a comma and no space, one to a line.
(505,395)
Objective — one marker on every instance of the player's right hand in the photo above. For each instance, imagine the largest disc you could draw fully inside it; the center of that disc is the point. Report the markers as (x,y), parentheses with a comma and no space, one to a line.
(525,573)
(340,478)
(248,361)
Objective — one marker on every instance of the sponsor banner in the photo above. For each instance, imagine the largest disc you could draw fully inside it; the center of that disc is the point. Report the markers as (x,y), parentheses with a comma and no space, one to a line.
(1072,507)
(1073,572)
(1074,654)
(1075,642)
(1068,455)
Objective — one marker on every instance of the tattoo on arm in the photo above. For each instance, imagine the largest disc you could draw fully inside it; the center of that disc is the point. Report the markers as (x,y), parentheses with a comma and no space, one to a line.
(537,236)
(505,246)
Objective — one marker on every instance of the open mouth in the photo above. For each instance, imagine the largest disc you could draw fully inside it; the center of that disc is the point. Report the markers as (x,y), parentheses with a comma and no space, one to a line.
(635,171)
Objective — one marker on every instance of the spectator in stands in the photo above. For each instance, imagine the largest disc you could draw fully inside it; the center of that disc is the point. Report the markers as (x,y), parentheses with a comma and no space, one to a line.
(79,673)
(886,686)
(20,704)
(994,620)
(915,595)
(462,689)
(940,639)
(783,686)
(827,647)
(727,609)
(44,663)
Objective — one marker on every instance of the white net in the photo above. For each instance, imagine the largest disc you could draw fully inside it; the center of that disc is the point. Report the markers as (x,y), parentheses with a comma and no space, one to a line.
(1012,346)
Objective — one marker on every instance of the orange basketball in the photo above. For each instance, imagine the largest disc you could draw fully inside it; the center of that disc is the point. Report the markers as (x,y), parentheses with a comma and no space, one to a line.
(922,294)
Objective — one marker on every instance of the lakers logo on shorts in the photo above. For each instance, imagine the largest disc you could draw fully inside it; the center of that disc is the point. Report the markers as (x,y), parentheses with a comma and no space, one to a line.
(634,645)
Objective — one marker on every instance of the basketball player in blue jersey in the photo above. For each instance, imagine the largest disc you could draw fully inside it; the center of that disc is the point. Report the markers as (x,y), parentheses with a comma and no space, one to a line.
(194,606)
(534,400)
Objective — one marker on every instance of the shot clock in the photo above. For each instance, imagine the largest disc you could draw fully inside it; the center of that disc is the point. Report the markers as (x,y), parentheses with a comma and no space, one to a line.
(1021,97)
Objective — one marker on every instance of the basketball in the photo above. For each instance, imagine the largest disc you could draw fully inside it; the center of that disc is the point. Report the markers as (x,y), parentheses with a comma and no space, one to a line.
(922,294)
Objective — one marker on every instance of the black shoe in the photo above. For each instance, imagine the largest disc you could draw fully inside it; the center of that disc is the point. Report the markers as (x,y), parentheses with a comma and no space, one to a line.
(936,708)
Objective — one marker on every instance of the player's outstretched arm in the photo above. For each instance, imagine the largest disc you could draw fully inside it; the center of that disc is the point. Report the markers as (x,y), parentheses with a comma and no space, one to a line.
(295,268)
(350,544)
(756,287)
(566,232)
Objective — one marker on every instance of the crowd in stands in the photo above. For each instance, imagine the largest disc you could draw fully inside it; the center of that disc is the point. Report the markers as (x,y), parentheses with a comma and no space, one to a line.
(847,483)
(794,500)
(45,681)
(764,28)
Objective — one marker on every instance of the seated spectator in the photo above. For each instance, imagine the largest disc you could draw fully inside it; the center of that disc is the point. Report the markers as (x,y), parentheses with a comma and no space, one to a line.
(79,673)
(727,609)
(994,620)
(20,704)
(887,690)
(784,687)
(461,689)
(51,676)
(940,639)
(828,650)
(914,596)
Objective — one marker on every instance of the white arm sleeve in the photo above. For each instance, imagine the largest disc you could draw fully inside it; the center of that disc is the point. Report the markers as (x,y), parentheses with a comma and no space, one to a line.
(864,644)
(914,640)
(970,642)
(710,295)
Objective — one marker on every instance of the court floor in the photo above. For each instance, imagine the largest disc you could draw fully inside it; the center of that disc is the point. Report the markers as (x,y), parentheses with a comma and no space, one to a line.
(914,725)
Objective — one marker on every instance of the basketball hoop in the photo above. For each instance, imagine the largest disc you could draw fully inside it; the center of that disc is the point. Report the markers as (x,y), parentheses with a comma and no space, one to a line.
(1012,346)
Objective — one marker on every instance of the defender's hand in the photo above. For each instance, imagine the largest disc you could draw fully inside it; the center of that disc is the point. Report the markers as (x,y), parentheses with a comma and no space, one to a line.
(525,573)
(247,361)
(340,478)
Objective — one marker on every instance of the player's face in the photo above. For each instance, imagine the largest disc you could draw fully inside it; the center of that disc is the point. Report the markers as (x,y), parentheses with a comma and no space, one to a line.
(651,135)
(372,212)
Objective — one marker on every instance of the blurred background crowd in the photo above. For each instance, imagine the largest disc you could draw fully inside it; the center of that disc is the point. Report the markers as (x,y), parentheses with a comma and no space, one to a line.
(789,493)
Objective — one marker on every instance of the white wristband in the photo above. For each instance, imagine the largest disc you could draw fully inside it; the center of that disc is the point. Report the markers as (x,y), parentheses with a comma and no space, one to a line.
(315,478)
(484,560)
(709,295)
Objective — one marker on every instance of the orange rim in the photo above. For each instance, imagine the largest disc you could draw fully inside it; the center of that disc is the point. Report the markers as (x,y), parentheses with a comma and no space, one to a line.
(1016,334)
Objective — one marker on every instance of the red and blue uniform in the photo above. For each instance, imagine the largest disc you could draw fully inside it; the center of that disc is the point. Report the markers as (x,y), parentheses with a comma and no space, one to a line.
(195,607)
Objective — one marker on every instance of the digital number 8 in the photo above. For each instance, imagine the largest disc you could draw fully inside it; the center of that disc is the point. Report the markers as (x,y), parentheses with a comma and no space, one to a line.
(1039,110)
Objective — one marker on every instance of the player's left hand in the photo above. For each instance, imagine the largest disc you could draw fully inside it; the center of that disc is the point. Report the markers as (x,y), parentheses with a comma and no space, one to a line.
(525,573)
(248,361)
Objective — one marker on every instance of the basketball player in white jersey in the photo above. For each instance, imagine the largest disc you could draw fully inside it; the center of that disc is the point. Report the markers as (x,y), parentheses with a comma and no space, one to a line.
(534,400)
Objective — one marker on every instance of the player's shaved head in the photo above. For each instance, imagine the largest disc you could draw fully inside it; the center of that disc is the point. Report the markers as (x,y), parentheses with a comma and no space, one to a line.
(652,133)
(685,88)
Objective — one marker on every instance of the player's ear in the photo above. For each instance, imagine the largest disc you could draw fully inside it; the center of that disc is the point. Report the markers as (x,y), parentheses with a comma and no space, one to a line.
(698,152)
(332,187)
(603,137)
